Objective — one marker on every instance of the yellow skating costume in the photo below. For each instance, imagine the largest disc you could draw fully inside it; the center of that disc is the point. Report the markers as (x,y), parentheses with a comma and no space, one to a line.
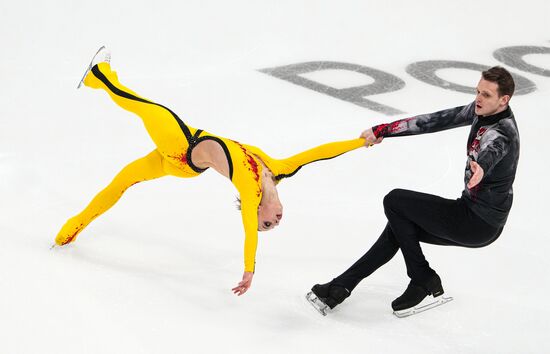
(174,141)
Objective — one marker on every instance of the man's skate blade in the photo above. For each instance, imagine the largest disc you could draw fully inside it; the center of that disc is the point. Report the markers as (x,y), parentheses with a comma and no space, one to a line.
(317,304)
(89,67)
(423,306)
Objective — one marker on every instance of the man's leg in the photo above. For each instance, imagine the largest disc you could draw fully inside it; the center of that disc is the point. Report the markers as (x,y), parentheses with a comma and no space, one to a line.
(416,217)
(389,243)
(435,220)
(337,290)
(379,254)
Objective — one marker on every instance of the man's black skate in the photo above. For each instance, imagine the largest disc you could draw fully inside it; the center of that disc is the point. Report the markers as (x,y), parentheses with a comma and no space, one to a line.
(325,296)
(410,302)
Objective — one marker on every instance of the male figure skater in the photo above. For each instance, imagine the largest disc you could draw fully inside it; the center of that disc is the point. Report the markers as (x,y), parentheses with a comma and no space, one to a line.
(476,219)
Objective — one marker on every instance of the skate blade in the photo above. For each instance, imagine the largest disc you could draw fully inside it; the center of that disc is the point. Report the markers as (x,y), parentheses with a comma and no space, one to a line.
(89,67)
(319,305)
(423,306)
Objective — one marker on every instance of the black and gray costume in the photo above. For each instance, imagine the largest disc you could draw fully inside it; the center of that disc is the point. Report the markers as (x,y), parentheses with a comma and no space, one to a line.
(476,219)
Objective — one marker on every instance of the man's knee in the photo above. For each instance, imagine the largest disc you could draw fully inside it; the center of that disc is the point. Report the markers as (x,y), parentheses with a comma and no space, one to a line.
(392,198)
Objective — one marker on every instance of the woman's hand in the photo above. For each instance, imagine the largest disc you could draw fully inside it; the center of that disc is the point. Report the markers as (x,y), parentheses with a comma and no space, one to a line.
(244,284)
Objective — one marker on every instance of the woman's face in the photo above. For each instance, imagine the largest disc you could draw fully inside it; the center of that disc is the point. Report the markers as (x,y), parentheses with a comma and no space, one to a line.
(269,215)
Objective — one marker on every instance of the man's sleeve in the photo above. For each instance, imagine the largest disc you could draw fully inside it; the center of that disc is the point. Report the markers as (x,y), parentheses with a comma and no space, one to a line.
(494,147)
(428,123)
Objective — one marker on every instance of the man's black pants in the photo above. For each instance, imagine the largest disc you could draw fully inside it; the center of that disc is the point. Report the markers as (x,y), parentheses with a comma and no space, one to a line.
(415,217)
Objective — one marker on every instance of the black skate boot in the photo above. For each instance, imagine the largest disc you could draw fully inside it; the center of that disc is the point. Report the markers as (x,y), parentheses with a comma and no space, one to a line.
(321,290)
(324,296)
(331,294)
(406,304)
(336,295)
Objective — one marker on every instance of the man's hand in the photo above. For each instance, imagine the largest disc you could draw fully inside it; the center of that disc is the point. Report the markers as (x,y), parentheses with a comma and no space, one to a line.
(477,175)
(370,138)
(244,284)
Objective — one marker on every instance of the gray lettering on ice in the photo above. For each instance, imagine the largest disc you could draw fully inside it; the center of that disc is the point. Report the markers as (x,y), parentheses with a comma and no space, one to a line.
(513,56)
(383,82)
(425,71)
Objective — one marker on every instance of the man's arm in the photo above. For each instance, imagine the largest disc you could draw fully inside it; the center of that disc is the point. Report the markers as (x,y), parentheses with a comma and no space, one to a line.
(422,124)
(494,146)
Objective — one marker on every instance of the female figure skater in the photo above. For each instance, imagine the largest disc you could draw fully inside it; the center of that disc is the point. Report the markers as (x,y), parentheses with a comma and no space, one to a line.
(184,151)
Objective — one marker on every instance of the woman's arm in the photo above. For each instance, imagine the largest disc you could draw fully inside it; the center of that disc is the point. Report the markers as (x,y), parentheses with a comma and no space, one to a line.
(249,213)
(288,167)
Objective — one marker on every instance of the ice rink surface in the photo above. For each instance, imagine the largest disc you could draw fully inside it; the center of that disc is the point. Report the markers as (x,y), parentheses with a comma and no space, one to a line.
(153,274)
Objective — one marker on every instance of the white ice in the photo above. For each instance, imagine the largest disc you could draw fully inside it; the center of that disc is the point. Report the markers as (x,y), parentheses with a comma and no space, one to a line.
(153,274)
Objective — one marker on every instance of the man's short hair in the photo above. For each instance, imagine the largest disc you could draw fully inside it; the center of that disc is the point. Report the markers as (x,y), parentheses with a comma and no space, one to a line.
(502,78)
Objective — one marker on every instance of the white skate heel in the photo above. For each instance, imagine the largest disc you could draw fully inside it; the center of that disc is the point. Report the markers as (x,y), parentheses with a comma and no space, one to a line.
(103,55)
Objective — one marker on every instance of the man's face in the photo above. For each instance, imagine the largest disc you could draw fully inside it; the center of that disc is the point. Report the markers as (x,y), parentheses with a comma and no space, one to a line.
(488,102)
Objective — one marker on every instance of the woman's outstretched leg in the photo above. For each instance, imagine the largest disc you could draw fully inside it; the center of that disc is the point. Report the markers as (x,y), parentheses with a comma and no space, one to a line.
(167,130)
(143,169)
